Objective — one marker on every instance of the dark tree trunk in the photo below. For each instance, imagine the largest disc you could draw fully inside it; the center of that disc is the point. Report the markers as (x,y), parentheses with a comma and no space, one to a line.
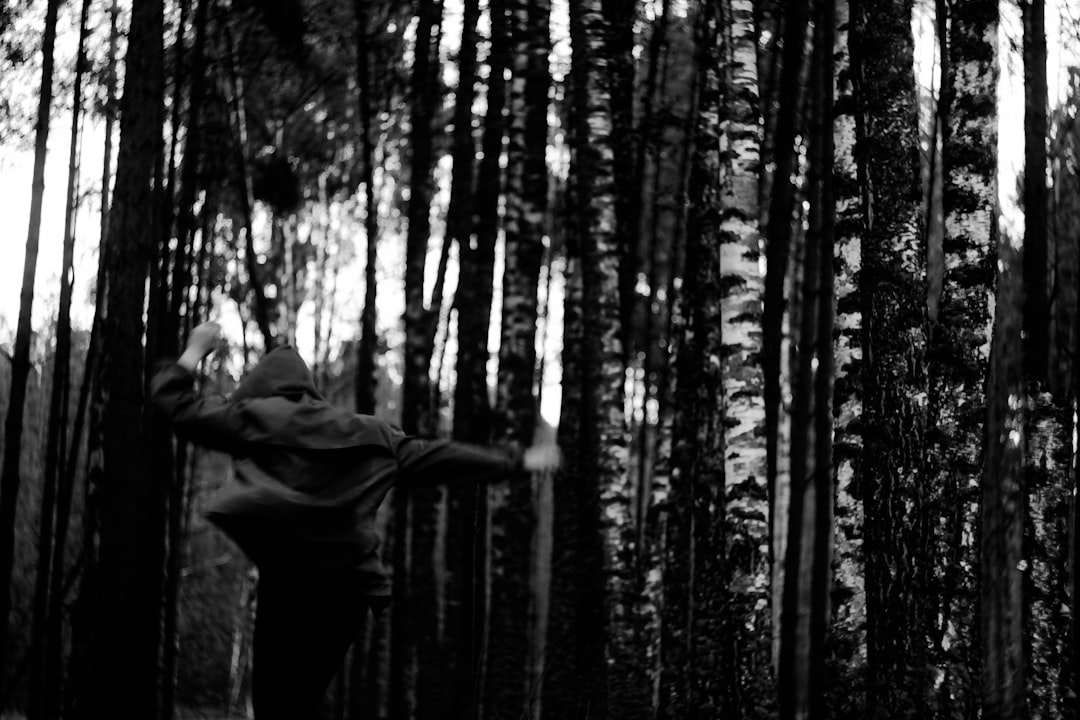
(365,362)
(779,146)
(807,570)
(82,628)
(20,359)
(469,514)
(45,686)
(473,304)
(1003,503)
(563,692)
(513,524)
(893,291)
(413,612)
(1036,325)
(126,595)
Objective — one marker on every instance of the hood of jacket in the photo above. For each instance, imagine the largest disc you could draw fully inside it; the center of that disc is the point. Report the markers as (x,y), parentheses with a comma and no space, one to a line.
(279,405)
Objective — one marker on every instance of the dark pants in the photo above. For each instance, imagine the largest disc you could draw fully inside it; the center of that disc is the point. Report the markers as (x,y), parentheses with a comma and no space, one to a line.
(304,625)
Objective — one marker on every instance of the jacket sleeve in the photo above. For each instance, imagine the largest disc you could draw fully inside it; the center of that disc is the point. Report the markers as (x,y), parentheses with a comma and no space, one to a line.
(209,421)
(443,461)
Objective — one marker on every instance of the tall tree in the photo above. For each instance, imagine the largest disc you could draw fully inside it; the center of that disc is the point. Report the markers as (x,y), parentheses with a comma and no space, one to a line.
(365,363)
(10,476)
(44,676)
(846,682)
(961,335)
(893,293)
(604,512)
(466,551)
(742,285)
(413,614)
(1047,456)
(569,643)
(515,415)
(804,616)
(1036,340)
(1002,563)
(779,154)
(693,674)
(122,674)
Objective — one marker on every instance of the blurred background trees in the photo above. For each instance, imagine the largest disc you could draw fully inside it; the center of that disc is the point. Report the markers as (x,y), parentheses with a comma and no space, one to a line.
(804,328)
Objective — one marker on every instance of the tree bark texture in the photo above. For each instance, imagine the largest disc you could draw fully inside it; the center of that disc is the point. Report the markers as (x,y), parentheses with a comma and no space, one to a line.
(513,522)
(746,497)
(468,514)
(960,343)
(846,643)
(893,290)
(122,676)
(1002,564)
(415,643)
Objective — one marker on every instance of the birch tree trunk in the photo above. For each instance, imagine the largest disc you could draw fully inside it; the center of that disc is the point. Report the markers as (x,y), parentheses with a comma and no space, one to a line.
(846,654)
(746,508)
(570,642)
(893,290)
(960,342)
(513,521)
(20,359)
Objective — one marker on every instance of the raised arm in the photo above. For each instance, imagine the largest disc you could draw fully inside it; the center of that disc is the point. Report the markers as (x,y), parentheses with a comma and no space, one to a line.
(209,421)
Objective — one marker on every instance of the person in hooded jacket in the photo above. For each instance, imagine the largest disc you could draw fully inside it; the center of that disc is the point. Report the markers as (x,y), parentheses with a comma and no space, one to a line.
(309,478)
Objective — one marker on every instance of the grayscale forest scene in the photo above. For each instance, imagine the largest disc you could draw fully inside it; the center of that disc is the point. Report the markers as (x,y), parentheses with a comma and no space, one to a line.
(661,359)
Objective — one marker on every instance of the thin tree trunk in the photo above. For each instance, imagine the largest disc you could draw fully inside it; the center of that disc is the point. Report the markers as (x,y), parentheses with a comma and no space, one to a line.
(459,641)
(807,563)
(564,688)
(265,315)
(525,224)
(44,690)
(20,358)
(846,656)
(1036,325)
(82,630)
(779,146)
(413,610)
(365,366)
(189,168)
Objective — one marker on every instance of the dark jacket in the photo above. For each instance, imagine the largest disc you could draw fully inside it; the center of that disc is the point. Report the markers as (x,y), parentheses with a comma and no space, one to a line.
(309,477)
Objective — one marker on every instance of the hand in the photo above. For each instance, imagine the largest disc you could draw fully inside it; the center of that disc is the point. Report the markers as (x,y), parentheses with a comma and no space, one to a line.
(201,342)
(542,458)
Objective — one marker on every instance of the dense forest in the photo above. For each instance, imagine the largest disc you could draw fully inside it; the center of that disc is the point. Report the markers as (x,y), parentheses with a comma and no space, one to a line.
(792,284)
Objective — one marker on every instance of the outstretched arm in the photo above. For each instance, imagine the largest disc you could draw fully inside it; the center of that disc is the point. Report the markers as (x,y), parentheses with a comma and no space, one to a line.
(442,461)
